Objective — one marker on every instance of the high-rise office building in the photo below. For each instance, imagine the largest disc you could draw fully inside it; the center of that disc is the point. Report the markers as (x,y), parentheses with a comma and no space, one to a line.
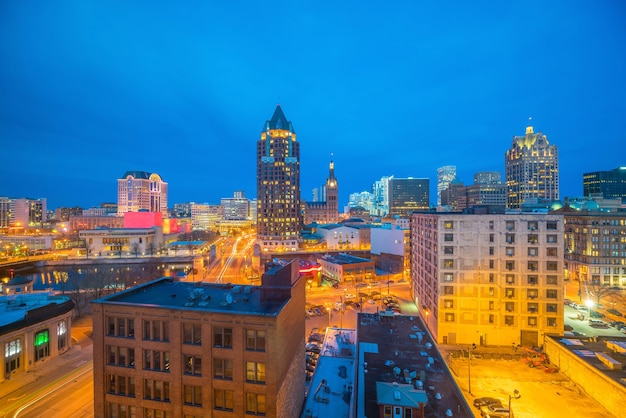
(488,279)
(611,184)
(279,218)
(22,213)
(487,177)
(179,349)
(236,208)
(531,169)
(445,175)
(380,190)
(140,190)
(408,195)
(326,211)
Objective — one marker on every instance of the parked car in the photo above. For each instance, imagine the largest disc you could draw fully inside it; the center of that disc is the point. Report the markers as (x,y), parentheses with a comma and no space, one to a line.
(349,296)
(568,328)
(486,401)
(494,411)
(614,312)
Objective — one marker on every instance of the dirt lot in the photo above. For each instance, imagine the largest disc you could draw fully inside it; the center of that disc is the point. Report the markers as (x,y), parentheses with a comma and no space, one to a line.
(542,394)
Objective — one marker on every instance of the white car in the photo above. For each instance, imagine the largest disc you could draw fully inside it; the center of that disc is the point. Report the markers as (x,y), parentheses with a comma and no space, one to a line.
(349,296)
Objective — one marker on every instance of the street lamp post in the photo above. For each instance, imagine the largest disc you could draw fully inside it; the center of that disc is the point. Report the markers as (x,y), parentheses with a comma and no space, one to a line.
(469,369)
(516,395)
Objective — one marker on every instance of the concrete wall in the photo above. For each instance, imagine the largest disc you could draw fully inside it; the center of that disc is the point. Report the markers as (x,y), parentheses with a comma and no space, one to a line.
(592,380)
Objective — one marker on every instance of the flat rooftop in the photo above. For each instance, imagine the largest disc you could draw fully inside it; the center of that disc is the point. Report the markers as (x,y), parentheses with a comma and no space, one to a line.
(13,308)
(344,259)
(332,389)
(399,349)
(208,297)
(586,350)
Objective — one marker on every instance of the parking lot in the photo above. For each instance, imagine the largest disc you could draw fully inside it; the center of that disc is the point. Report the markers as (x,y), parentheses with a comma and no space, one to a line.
(540,394)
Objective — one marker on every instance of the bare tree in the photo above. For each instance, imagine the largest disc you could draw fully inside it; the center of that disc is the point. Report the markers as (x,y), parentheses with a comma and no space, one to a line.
(599,291)
(135,248)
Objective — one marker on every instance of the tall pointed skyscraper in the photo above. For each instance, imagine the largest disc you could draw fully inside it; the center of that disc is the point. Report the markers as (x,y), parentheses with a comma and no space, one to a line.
(531,169)
(279,219)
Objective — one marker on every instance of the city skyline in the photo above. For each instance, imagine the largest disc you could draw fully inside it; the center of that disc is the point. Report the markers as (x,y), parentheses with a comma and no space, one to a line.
(93,91)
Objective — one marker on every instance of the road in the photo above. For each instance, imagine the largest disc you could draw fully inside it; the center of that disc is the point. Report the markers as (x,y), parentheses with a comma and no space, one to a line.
(62,392)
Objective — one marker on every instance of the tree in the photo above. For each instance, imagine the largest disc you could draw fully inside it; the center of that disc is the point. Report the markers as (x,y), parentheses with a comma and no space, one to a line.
(599,291)
(135,248)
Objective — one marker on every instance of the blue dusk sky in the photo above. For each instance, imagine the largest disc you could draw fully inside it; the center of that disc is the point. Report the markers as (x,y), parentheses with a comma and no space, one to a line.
(90,90)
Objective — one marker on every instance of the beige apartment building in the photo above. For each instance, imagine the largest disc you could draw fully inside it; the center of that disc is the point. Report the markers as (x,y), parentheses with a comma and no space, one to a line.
(173,349)
(595,245)
(488,279)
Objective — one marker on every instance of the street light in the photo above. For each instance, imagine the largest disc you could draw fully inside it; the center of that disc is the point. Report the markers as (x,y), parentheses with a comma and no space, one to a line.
(589,303)
(516,395)
(469,369)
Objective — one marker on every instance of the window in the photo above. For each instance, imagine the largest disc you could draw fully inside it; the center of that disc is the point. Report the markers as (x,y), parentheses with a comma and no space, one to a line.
(491,237)
(156,389)
(61,335)
(448,263)
(533,266)
(533,280)
(510,238)
(533,307)
(449,317)
(193,395)
(223,337)
(448,290)
(532,321)
(156,360)
(255,340)
(510,265)
(192,334)
(551,280)
(448,277)
(491,278)
(491,225)
(448,225)
(533,238)
(532,294)
(491,318)
(551,294)
(116,410)
(551,225)
(448,250)
(223,399)
(255,403)
(448,237)
(509,306)
(255,372)
(491,250)
(121,356)
(491,305)
(510,251)
(551,239)
(551,322)
(510,225)
(121,385)
(510,279)
(12,354)
(509,320)
(552,252)
(120,327)
(448,303)
(491,264)
(551,307)
(222,368)
(552,265)
(510,293)
(156,330)
(533,251)
(42,345)
(192,365)
(533,225)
